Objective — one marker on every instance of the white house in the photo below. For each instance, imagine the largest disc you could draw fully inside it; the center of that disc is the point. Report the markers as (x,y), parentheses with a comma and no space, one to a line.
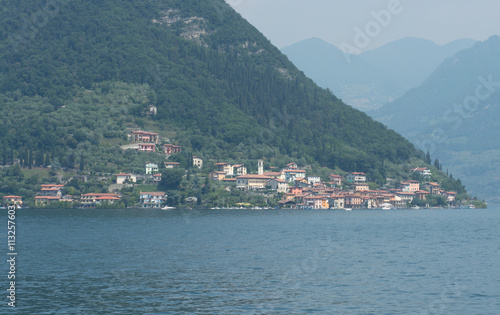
(423,171)
(197,162)
(311,180)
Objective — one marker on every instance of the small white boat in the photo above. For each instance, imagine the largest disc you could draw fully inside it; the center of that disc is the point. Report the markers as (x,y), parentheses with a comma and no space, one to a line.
(167,208)
(348,209)
(386,206)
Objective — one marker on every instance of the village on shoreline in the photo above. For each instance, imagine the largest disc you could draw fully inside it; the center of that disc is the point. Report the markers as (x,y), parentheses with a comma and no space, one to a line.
(289,187)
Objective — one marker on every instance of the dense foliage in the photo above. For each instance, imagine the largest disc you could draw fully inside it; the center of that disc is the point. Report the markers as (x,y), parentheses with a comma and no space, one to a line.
(77,76)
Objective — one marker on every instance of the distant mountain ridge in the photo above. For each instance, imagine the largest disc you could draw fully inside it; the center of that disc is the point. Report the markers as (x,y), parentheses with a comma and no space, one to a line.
(455,114)
(375,77)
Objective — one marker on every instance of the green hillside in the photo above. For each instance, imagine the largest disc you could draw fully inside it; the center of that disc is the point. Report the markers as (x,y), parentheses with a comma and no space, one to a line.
(77,76)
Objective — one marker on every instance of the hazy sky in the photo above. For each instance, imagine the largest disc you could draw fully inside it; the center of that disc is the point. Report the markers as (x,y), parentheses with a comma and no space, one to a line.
(285,22)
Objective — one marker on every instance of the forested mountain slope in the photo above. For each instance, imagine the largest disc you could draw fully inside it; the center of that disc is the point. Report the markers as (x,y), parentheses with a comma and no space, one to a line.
(222,90)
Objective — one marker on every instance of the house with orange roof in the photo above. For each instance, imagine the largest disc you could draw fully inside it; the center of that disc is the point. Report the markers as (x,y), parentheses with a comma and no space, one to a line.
(157,177)
(433,188)
(422,194)
(450,196)
(144,137)
(316,202)
(94,198)
(296,190)
(336,179)
(170,149)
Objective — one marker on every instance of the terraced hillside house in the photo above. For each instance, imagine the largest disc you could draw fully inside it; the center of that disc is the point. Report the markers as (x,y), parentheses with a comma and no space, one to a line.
(97,198)
(170,149)
(52,190)
(144,137)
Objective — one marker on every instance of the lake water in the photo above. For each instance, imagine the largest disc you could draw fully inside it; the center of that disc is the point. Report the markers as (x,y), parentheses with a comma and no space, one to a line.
(255,262)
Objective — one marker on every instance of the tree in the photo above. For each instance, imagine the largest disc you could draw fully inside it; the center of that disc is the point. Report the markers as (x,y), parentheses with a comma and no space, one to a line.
(82,162)
(171,178)
(428,158)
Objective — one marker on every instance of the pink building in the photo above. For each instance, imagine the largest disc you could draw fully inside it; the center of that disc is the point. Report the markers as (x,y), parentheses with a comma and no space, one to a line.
(143,136)
(170,149)
(147,147)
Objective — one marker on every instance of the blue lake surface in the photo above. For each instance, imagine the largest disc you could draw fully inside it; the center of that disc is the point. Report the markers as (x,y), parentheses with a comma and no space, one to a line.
(255,262)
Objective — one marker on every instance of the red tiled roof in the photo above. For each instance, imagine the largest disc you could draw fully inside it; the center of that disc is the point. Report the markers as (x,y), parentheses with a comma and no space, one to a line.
(13,197)
(254,176)
(272,173)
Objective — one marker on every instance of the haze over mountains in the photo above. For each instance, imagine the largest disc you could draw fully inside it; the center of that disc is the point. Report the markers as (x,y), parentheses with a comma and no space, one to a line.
(454,114)
(375,77)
